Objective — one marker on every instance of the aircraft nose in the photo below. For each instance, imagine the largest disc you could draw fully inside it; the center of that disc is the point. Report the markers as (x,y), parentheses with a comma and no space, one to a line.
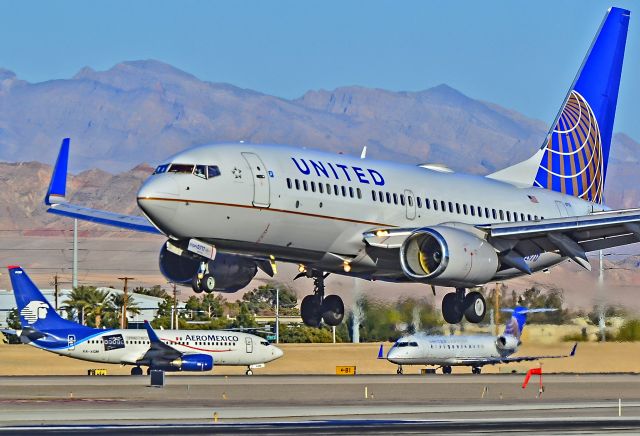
(276,352)
(157,199)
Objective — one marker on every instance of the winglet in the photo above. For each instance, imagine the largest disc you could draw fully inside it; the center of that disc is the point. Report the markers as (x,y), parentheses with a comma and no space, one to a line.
(381,352)
(153,337)
(573,351)
(58,185)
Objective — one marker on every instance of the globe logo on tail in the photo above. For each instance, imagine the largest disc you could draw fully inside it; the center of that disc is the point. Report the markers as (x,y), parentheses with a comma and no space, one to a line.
(573,161)
(34,311)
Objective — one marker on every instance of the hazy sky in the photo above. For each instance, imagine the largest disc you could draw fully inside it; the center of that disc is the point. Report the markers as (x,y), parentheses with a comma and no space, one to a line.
(522,55)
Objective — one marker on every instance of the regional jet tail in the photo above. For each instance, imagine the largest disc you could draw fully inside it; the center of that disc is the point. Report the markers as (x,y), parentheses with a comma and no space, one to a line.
(474,351)
(228,210)
(168,350)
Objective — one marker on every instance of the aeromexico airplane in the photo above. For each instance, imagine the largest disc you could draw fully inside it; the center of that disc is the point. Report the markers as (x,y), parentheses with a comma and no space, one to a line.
(229,209)
(168,350)
(474,351)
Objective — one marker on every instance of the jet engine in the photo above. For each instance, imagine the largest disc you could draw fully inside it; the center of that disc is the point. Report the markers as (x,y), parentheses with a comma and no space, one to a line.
(188,362)
(448,256)
(230,271)
(507,342)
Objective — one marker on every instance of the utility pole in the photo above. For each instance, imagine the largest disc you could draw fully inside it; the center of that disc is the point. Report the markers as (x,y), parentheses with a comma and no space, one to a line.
(55,291)
(74,280)
(125,300)
(174,312)
(277,315)
(601,309)
(496,308)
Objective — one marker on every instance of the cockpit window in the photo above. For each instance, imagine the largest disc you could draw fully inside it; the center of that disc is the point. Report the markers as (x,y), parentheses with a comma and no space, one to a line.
(413,344)
(161,169)
(181,168)
(402,344)
(213,171)
(265,343)
(201,171)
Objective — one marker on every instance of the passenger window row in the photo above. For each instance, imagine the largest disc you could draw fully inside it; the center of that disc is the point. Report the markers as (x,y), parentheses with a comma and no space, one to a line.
(451,207)
(324,188)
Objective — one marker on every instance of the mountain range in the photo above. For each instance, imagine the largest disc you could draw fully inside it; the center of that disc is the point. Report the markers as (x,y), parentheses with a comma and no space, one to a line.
(138,113)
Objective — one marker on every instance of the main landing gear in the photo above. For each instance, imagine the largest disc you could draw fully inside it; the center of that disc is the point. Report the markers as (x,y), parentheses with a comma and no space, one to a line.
(476,370)
(455,305)
(136,370)
(316,308)
(203,280)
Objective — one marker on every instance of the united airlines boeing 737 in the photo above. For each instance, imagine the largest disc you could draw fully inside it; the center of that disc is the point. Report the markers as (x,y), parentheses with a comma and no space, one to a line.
(168,350)
(474,351)
(229,209)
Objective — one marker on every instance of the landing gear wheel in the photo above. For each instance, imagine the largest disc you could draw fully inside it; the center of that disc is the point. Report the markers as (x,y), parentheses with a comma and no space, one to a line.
(248,372)
(451,308)
(148,370)
(476,370)
(475,307)
(332,309)
(446,370)
(196,284)
(208,283)
(310,311)
(399,370)
(136,370)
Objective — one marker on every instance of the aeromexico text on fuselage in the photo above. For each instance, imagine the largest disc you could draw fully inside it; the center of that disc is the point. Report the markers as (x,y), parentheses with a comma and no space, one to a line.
(366,176)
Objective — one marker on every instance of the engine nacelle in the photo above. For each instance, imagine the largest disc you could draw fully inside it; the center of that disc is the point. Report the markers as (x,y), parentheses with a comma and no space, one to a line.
(193,362)
(448,256)
(507,342)
(230,271)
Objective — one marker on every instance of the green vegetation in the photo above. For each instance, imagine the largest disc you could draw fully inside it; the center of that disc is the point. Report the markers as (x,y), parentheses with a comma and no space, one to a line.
(630,331)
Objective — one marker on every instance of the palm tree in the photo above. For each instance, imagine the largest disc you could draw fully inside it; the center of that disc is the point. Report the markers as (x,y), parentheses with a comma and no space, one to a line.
(101,305)
(79,301)
(117,301)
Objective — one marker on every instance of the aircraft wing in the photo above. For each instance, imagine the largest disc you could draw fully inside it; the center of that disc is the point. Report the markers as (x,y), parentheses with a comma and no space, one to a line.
(57,203)
(158,349)
(495,361)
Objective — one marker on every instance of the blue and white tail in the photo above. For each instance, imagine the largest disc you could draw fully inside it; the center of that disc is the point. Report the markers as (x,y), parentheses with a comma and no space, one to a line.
(573,158)
(34,309)
(518,319)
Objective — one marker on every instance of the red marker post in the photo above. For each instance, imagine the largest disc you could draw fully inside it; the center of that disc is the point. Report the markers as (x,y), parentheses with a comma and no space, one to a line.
(534,371)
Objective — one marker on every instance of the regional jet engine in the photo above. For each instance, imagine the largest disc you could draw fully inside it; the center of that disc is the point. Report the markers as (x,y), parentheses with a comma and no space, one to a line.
(507,342)
(231,272)
(448,256)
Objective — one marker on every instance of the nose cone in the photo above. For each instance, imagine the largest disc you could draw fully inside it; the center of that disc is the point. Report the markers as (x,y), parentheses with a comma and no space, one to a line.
(276,352)
(157,198)
(393,355)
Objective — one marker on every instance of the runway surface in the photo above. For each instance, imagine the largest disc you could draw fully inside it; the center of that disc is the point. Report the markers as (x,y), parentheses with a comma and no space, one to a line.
(323,404)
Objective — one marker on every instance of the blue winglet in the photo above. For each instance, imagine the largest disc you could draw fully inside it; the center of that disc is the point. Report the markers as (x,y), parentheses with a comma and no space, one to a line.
(153,337)
(58,184)
(381,352)
(573,351)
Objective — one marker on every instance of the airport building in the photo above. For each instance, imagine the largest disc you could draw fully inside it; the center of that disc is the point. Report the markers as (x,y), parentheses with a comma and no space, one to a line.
(146,305)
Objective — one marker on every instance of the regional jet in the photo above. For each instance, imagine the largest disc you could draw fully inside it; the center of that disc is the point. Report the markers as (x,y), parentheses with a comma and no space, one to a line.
(228,210)
(474,351)
(167,350)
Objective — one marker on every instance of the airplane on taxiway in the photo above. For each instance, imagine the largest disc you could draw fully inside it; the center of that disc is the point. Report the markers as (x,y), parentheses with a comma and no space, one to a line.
(228,210)
(465,350)
(168,350)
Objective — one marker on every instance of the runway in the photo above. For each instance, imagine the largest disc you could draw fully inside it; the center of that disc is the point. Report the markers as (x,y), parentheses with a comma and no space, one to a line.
(413,403)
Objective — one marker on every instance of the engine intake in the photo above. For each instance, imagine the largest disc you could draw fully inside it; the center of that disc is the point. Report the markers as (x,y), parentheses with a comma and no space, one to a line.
(448,256)
(507,342)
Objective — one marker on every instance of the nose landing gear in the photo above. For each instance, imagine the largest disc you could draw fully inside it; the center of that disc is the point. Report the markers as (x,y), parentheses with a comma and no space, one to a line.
(455,305)
(203,280)
(316,308)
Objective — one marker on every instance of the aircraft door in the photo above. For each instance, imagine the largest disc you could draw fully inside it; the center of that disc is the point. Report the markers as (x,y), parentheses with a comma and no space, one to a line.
(249,343)
(562,208)
(410,203)
(71,342)
(260,180)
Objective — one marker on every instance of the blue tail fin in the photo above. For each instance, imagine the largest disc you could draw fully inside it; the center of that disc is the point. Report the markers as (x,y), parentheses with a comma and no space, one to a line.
(34,309)
(576,150)
(518,319)
(58,185)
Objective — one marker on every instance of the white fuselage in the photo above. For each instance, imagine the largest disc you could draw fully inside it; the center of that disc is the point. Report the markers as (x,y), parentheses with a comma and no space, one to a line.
(312,207)
(422,349)
(226,348)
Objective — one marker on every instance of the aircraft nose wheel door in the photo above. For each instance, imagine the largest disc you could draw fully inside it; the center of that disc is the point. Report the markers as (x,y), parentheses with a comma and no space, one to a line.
(249,343)
(410,202)
(260,180)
